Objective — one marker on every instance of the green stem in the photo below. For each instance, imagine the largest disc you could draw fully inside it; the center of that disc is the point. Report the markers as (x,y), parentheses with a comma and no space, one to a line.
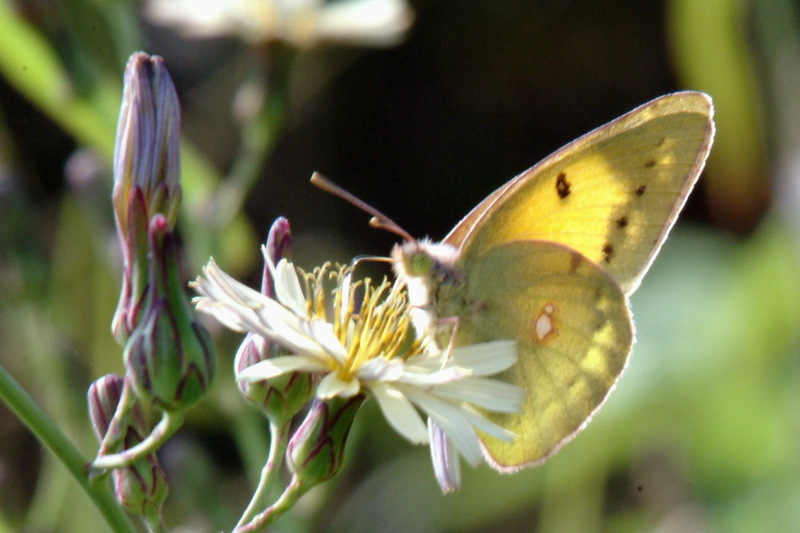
(277,447)
(155,525)
(283,504)
(169,423)
(45,429)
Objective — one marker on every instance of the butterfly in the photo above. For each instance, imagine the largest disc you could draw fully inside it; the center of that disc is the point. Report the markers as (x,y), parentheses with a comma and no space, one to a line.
(549,260)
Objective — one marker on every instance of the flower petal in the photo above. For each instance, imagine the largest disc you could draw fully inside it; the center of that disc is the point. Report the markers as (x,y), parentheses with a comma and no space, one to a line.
(400,413)
(218,285)
(487,358)
(445,458)
(453,422)
(284,364)
(381,369)
(219,289)
(287,288)
(485,393)
(484,425)
(430,379)
(332,385)
(322,332)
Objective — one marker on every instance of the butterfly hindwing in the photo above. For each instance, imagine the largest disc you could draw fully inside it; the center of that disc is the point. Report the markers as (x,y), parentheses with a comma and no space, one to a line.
(573,332)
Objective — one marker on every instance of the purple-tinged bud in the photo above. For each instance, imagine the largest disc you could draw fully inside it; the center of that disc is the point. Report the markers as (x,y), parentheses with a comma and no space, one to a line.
(140,487)
(280,398)
(254,348)
(316,450)
(169,356)
(279,246)
(146,175)
(147,150)
(136,277)
(103,397)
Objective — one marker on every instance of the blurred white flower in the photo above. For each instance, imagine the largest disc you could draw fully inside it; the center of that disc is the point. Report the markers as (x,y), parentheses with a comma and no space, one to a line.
(298,22)
(370,350)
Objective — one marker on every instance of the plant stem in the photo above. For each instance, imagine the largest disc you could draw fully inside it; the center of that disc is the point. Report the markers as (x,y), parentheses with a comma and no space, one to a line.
(48,433)
(277,447)
(168,424)
(292,493)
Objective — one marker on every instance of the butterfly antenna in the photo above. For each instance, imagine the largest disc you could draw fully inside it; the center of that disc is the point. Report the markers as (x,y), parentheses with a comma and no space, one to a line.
(371,258)
(378,220)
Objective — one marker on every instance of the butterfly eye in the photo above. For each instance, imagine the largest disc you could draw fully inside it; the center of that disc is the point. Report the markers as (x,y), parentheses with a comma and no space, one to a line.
(420,264)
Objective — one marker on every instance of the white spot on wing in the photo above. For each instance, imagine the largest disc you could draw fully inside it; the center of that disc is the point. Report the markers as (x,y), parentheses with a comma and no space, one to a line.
(544,324)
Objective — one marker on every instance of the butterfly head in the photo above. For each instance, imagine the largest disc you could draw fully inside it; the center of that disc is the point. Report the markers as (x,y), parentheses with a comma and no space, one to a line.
(412,259)
(421,265)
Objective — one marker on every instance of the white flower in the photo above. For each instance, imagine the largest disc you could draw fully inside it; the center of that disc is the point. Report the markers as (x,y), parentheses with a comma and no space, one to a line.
(370,350)
(299,22)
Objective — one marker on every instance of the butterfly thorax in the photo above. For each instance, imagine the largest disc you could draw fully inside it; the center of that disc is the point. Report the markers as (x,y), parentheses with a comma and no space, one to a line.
(428,269)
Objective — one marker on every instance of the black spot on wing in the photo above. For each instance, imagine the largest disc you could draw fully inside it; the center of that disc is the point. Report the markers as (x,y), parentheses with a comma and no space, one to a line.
(562,185)
(650,163)
(608,252)
(640,190)
(622,222)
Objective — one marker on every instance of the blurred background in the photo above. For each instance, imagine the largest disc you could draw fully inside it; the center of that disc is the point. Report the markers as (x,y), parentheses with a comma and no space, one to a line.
(421,109)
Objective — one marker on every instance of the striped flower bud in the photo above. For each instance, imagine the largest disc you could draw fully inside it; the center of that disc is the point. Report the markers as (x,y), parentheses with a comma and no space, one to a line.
(146,175)
(140,487)
(316,450)
(169,356)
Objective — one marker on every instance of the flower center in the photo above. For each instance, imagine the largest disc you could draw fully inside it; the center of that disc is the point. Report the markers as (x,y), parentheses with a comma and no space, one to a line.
(369,321)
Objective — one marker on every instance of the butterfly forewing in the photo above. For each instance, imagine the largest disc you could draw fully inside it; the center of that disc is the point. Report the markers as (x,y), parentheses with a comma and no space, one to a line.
(612,195)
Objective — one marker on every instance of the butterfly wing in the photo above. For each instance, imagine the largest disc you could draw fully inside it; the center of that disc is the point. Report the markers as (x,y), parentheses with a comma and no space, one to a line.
(573,332)
(612,194)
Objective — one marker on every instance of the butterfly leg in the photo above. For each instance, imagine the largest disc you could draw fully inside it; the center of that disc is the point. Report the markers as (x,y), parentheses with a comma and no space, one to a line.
(453,322)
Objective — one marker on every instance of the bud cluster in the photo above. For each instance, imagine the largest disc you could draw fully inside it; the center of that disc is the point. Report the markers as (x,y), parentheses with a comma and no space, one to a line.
(168,355)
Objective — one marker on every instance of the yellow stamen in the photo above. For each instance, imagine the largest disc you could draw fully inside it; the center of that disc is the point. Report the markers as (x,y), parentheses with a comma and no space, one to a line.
(380,328)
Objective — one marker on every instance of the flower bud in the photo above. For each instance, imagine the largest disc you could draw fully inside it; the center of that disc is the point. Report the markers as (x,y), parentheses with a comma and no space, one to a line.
(316,450)
(147,150)
(146,175)
(279,246)
(103,397)
(169,356)
(282,397)
(135,277)
(140,487)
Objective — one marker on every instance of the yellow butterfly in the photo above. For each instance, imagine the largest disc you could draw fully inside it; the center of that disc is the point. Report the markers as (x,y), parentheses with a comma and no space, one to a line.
(549,259)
